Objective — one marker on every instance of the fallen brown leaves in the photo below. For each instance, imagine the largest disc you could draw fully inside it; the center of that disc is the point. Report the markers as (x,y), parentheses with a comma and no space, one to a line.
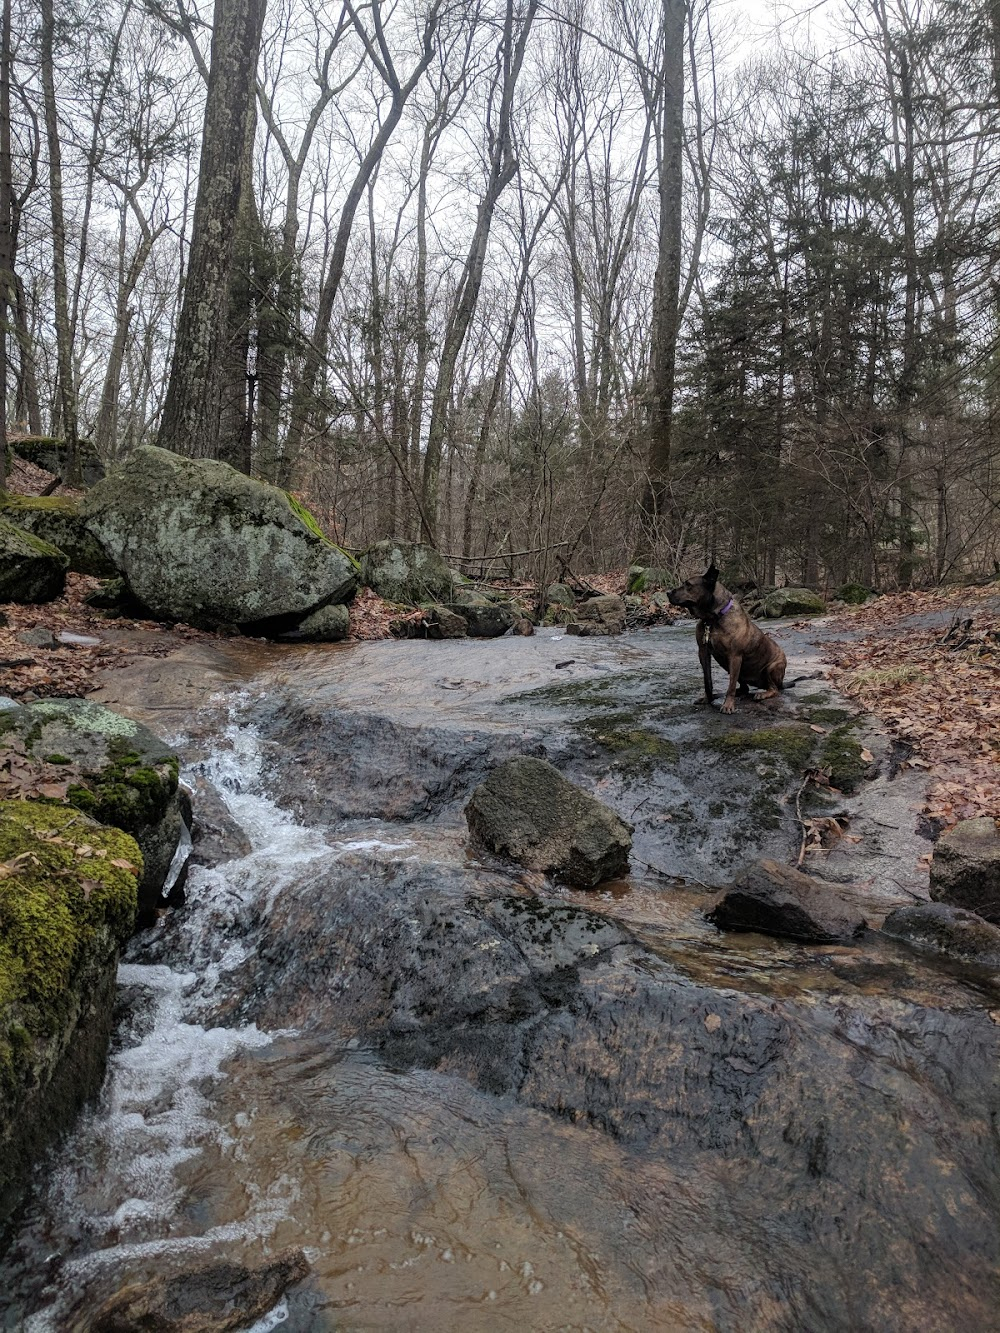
(71,670)
(939,692)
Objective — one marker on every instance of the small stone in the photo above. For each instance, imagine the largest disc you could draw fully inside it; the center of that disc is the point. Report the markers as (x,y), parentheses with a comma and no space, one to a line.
(330,624)
(38,638)
(523,627)
(444,624)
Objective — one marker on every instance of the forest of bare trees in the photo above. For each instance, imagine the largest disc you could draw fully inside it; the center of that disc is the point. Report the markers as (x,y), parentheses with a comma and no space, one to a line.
(593,276)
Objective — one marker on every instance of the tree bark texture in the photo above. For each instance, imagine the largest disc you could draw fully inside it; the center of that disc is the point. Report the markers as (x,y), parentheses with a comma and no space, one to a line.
(666,289)
(200,371)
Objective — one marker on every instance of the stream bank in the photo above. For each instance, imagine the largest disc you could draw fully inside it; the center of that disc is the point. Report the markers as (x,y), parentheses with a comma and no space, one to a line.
(478,1101)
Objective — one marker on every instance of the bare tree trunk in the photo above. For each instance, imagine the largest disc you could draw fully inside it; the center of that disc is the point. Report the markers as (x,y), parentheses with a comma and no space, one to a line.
(502,169)
(666,290)
(64,349)
(198,374)
(6,223)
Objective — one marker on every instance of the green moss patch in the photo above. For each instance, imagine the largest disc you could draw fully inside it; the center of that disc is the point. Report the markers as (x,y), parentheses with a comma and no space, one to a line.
(128,794)
(63,879)
(792,745)
(840,757)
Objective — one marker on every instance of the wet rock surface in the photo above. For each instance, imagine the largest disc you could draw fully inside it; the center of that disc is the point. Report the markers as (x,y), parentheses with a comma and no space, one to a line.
(486,1100)
(212,1298)
(774,899)
(949,930)
(527,812)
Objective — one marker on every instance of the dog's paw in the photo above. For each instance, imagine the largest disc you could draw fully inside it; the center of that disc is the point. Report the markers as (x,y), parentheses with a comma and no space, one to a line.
(729,705)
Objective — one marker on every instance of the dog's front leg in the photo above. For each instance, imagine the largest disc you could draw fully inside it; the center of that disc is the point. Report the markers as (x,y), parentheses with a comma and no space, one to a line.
(729,702)
(705,657)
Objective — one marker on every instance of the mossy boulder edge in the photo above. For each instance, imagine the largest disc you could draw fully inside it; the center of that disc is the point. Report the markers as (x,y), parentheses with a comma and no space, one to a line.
(118,773)
(199,542)
(67,904)
(30,569)
(56,519)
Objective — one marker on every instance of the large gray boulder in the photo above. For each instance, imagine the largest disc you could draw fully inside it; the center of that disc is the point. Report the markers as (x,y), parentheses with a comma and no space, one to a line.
(111,768)
(527,812)
(965,869)
(406,572)
(200,542)
(67,904)
(793,602)
(57,519)
(774,899)
(30,569)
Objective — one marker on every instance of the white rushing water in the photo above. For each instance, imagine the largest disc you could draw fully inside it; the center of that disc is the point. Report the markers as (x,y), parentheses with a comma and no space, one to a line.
(116,1189)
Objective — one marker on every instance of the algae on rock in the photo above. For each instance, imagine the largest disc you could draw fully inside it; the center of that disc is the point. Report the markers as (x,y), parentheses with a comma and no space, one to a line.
(30,569)
(56,519)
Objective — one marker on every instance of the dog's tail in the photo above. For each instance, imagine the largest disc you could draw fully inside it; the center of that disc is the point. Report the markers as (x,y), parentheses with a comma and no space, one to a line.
(797,680)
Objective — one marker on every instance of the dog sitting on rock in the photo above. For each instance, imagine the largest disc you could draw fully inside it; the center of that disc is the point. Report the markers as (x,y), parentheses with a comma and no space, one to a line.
(727,633)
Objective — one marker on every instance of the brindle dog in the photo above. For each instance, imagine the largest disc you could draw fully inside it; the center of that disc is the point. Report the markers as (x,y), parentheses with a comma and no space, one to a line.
(727,633)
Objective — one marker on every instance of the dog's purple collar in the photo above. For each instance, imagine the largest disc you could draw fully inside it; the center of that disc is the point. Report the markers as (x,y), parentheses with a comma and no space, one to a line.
(728,607)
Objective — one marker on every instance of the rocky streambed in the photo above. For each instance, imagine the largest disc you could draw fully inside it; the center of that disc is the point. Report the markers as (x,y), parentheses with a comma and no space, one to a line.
(473,1099)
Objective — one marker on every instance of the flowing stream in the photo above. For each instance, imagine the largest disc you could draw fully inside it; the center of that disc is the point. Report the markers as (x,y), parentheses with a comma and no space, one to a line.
(478,1101)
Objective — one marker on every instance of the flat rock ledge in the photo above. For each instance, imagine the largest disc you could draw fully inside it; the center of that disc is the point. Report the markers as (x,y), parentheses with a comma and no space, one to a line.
(527,812)
(774,899)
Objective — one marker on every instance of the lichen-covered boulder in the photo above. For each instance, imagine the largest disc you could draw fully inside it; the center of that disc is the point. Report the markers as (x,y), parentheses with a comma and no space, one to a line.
(774,899)
(559,594)
(527,812)
(56,519)
(965,868)
(67,904)
(599,616)
(793,602)
(111,768)
(200,542)
(30,569)
(406,572)
(50,454)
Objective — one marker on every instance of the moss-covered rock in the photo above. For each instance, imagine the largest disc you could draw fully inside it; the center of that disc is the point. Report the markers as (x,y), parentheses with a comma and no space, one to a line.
(791,745)
(56,519)
(407,572)
(855,594)
(840,757)
(68,891)
(30,569)
(599,616)
(559,594)
(200,542)
(640,579)
(116,771)
(49,453)
(330,624)
(793,602)
(527,812)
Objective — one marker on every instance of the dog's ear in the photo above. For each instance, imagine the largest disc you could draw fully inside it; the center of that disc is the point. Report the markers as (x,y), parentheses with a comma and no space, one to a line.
(711,576)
